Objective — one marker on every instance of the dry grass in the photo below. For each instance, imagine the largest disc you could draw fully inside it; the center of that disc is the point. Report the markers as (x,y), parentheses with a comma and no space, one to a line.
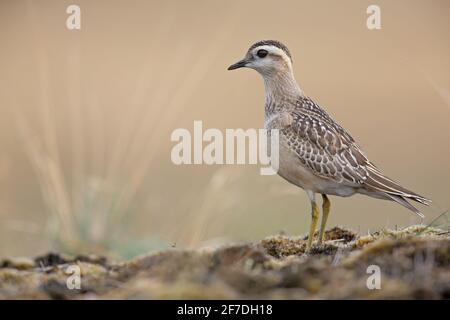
(89,194)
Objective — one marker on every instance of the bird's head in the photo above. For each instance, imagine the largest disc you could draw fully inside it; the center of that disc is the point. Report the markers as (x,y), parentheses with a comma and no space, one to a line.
(268,57)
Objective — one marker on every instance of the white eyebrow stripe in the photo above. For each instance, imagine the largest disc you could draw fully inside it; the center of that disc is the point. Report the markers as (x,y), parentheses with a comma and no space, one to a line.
(271,49)
(276,50)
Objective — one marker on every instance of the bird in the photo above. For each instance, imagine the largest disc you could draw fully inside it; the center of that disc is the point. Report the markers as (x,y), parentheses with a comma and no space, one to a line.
(315,152)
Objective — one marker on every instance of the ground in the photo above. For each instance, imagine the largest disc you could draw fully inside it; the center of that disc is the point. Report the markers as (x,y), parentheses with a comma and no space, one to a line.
(414,263)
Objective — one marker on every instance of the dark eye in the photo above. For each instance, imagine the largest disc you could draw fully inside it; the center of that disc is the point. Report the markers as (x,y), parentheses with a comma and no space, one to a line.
(262,53)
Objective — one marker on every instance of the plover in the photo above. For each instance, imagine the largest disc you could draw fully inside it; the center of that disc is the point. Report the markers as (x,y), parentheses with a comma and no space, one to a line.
(315,152)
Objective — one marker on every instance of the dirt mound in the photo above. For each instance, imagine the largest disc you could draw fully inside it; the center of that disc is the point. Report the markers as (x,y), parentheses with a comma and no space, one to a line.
(413,263)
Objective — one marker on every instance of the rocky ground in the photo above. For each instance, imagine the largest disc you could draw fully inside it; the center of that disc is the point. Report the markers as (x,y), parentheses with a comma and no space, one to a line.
(414,264)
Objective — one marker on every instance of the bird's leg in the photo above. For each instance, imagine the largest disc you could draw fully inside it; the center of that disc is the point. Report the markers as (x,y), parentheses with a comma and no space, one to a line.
(325,211)
(314,220)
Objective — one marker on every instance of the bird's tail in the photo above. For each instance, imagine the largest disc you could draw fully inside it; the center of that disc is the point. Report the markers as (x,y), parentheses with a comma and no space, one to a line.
(381,184)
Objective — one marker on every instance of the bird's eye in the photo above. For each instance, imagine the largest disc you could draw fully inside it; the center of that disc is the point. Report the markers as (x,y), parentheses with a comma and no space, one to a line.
(262,53)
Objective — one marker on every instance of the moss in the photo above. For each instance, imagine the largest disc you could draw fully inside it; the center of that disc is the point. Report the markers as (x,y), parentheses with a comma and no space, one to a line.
(283,246)
(413,263)
(19,263)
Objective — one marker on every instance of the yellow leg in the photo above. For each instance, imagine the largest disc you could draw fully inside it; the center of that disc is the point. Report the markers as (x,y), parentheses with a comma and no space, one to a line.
(325,211)
(314,220)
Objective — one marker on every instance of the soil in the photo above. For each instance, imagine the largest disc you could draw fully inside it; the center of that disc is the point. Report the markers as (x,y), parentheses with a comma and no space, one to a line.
(413,263)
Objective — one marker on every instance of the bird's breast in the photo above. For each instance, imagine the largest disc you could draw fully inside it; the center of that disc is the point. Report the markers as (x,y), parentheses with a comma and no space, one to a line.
(292,169)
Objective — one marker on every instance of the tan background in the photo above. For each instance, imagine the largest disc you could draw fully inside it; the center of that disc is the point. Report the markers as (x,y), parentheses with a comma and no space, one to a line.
(86,116)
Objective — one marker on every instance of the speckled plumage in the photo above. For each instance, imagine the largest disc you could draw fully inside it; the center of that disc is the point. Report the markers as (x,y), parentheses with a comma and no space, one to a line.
(329,151)
(316,153)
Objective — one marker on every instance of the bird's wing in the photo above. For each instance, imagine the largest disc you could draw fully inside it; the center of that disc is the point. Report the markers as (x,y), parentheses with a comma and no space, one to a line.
(325,148)
(330,152)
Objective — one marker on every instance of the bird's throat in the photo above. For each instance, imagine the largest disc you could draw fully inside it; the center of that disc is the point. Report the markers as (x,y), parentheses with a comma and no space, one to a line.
(281,86)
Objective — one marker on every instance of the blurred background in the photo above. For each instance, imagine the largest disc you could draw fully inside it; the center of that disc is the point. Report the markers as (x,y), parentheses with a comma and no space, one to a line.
(86,117)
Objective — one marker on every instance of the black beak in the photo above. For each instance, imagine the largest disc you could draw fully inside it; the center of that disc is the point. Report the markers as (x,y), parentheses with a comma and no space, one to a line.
(239,64)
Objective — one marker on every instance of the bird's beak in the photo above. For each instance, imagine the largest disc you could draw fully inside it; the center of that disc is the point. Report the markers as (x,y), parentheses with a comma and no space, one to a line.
(239,64)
